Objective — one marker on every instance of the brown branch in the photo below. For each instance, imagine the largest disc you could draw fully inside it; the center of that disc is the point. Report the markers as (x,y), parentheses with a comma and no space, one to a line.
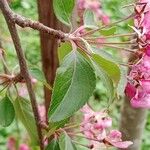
(23,66)
(25,22)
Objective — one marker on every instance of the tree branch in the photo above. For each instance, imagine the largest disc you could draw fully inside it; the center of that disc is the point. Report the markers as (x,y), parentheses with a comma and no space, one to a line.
(25,22)
(23,66)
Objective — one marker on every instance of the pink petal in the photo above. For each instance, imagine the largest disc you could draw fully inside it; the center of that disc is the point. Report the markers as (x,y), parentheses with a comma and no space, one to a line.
(11,143)
(86,109)
(24,147)
(124,144)
(105,19)
(130,90)
(145,84)
(114,136)
(148,48)
(143,102)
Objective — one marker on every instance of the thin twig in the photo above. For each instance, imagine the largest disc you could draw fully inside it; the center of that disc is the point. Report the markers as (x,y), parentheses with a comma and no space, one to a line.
(109,25)
(23,66)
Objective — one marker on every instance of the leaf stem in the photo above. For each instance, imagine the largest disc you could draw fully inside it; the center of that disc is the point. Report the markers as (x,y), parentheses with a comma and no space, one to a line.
(73,126)
(119,48)
(109,25)
(72,134)
(83,48)
(111,36)
(118,43)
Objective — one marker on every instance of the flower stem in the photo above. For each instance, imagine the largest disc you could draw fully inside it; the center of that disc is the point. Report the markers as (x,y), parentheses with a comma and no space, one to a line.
(119,48)
(109,25)
(83,137)
(111,36)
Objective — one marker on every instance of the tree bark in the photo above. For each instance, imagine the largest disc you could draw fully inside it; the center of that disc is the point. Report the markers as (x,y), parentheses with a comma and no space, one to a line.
(132,124)
(133,120)
(48,45)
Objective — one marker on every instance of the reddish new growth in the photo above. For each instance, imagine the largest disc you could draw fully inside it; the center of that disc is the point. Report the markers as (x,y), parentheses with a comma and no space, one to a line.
(96,128)
(138,87)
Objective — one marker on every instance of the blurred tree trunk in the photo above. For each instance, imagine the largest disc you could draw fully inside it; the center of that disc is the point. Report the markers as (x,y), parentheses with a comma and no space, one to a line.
(48,45)
(132,120)
(132,124)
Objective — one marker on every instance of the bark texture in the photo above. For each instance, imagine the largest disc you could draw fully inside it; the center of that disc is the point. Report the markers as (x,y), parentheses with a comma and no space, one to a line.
(49,45)
(132,120)
(132,124)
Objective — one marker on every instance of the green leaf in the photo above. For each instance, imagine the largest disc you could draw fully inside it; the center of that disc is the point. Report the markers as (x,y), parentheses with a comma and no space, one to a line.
(89,20)
(107,32)
(105,61)
(74,84)
(7,112)
(25,114)
(65,142)
(38,74)
(105,78)
(54,145)
(63,10)
(123,81)
(63,50)
(53,126)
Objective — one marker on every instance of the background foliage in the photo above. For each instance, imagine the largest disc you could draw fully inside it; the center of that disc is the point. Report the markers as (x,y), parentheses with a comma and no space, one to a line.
(30,43)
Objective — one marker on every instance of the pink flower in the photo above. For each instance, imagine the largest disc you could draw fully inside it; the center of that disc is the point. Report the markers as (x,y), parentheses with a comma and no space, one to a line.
(94,6)
(130,90)
(105,19)
(81,4)
(11,143)
(94,123)
(24,147)
(139,90)
(148,49)
(94,126)
(145,84)
(115,139)
(141,99)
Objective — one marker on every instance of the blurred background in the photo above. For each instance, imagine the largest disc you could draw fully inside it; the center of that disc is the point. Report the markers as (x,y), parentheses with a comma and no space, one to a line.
(30,40)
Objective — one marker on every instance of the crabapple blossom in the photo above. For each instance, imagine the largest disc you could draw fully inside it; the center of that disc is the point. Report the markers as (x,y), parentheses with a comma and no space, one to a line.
(94,6)
(95,126)
(24,147)
(11,143)
(114,138)
(137,88)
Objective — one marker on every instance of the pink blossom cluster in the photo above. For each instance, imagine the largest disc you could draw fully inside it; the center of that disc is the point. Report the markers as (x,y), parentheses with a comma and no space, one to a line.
(12,145)
(96,128)
(95,6)
(138,87)
(142,24)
